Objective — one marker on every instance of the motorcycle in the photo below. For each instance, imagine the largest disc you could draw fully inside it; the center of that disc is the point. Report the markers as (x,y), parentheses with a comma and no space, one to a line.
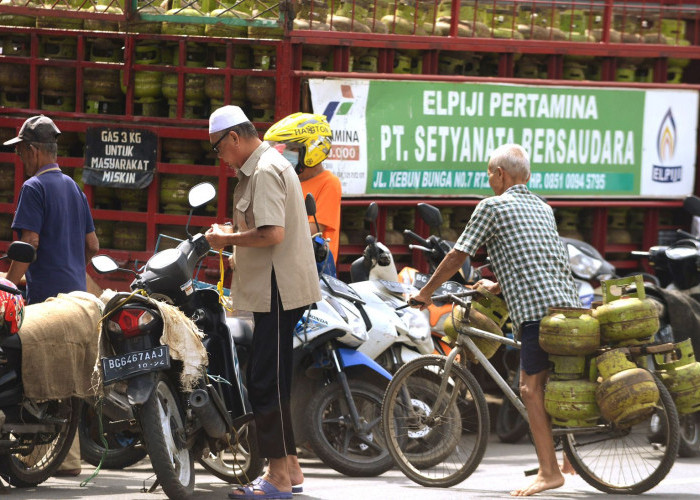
(34,436)
(177,426)
(337,390)
(677,267)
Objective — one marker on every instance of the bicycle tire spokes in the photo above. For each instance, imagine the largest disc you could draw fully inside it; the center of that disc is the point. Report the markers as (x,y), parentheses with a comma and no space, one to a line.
(441,447)
(631,460)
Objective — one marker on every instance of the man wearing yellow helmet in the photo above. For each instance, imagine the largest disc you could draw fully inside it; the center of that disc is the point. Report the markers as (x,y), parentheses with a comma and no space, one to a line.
(307,142)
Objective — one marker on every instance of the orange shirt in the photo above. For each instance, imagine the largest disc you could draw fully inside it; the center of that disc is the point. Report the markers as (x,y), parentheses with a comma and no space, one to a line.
(325,187)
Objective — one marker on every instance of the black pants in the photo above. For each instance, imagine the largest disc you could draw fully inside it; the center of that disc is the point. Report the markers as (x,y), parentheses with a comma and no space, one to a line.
(270,376)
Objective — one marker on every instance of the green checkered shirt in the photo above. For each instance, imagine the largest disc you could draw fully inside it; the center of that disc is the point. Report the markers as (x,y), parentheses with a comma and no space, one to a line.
(527,256)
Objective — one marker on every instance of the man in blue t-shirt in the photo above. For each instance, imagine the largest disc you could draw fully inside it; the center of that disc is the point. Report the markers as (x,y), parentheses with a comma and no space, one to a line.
(52,214)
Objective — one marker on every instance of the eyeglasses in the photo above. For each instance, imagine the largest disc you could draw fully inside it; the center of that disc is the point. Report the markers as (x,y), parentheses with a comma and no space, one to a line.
(215,147)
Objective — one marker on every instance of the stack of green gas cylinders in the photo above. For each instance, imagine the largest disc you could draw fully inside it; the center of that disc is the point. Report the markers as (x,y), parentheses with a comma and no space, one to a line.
(593,375)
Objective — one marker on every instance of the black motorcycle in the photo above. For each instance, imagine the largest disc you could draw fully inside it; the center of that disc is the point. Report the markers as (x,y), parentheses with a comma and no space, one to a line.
(34,436)
(677,267)
(212,423)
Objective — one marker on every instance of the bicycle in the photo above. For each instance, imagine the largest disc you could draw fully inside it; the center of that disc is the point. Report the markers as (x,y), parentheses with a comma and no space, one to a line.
(612,459)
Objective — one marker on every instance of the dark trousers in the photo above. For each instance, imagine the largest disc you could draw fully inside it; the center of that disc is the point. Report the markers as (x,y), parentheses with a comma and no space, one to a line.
(270,376)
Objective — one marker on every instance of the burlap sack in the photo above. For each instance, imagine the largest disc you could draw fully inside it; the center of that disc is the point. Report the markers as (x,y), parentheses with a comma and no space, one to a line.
(60,346)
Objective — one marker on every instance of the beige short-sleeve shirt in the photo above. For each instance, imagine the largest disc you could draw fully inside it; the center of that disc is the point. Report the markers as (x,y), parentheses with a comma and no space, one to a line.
(268,193)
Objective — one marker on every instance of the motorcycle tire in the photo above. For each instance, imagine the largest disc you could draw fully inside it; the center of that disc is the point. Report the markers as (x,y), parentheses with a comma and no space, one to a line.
(243,466)
(162,421)
(329,427)
(25,471)
(123,448)
(690,435)
(511,427)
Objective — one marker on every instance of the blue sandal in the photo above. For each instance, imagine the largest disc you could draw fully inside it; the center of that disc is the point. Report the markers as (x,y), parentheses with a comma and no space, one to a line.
(259,485)
(296,489)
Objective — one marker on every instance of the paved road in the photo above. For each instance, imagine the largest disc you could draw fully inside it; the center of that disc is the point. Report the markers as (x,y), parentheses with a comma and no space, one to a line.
(500,471)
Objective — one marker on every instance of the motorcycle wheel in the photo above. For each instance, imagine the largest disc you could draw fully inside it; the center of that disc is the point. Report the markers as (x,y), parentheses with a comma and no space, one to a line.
(336,442)
(242,465)
(25,471)
(162,423)
(123,448)
(690,435)
(511,427)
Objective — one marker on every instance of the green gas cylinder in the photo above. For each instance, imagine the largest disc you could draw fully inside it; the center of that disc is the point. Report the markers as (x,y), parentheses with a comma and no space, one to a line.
(453,327)
(682,377)
(628,394)
(569,331)
(572,403)
(129,236)
(567,367)
(626,316)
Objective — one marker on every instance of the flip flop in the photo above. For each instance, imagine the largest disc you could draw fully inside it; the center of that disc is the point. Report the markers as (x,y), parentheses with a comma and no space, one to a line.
(268,491)
(296,489)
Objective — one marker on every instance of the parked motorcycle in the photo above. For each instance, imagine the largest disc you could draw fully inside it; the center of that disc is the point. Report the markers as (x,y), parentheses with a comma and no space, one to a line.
(34,436)
(177,427)
(678,295)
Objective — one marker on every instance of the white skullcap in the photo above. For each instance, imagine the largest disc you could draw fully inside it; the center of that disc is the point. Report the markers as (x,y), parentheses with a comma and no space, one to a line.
(226,117)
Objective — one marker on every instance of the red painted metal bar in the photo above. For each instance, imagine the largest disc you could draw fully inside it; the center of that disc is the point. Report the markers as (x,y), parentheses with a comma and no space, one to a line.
(459,78)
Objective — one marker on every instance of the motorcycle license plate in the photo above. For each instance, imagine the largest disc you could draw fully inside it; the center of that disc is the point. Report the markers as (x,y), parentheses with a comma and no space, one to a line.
(135,363)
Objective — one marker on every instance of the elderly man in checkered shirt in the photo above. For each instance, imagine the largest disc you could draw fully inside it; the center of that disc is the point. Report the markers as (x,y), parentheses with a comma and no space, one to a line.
(533,273)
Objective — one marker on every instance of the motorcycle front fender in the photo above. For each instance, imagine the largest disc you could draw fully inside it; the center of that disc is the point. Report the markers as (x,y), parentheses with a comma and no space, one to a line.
(140,388)
(351,357)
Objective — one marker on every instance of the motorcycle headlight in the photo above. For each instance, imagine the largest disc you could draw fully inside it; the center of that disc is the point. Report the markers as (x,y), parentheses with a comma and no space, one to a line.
(417,323)
(357,325)
(582,265)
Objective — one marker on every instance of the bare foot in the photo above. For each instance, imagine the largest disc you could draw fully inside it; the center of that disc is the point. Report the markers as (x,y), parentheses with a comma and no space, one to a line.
(295,473)
(566,467)
(541,483)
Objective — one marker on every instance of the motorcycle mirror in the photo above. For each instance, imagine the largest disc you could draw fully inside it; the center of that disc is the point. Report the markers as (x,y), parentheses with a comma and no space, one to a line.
(311,209)
(372,212)
(310,204)
(104,264)
(430,214)
(201,194)
(21,251)
(692,205)
(371,216)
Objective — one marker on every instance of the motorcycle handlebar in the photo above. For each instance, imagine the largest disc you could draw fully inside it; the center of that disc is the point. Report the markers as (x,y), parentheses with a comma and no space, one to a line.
(421,248)
(452,297)
(639,253)
(415,237)
(686,234)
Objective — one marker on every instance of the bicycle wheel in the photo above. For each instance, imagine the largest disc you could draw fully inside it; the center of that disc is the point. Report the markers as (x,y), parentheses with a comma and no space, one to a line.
(624,460)
(403,420)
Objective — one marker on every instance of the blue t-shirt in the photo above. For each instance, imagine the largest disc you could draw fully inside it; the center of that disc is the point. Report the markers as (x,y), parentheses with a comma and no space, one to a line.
(52,205)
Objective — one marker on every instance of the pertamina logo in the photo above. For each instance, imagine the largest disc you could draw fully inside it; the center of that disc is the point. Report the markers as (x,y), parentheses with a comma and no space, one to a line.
(340,108)
(346,141)
(666,145)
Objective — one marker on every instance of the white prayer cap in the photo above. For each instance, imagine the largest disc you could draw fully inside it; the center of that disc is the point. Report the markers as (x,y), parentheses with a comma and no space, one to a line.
(226,117)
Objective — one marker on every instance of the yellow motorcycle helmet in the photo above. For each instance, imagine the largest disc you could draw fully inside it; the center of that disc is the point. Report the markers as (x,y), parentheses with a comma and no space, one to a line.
(311,132)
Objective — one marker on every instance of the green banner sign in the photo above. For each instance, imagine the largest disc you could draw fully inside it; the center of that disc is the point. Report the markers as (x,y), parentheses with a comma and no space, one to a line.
(432,138)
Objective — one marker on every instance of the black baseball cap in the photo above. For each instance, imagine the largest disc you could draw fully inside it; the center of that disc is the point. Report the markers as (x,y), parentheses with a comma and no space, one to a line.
(38,128)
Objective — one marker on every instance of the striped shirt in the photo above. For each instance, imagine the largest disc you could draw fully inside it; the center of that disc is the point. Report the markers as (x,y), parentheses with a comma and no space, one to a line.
(527,256)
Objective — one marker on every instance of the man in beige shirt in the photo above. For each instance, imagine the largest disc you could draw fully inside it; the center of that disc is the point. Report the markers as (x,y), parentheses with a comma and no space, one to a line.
(274,276)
